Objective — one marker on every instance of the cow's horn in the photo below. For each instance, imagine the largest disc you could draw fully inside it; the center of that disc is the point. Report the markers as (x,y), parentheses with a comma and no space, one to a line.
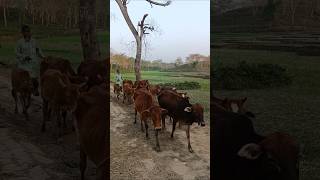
(188,109)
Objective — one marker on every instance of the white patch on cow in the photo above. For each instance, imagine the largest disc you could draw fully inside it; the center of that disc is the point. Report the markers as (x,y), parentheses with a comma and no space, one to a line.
(188,109)
(183,95)
(250,151)
(234,107)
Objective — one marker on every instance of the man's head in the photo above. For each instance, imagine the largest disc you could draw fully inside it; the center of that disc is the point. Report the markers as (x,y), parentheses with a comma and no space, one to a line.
(118,71)
(26,32)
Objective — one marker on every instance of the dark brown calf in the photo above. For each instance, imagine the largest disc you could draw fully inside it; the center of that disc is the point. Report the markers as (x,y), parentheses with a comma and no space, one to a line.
(128,92)
(117,90)
(91,116)
(22,88)
(58,95)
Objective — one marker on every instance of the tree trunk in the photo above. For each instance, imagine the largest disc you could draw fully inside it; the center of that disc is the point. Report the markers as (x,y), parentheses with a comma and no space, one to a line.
(137,62)
(5,16)
(136,36)
(87,25)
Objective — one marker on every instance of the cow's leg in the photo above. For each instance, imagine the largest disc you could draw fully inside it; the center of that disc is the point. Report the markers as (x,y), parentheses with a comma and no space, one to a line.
(83,163)
(26,106)
(173,127)
(59,126)
(64,117)
(23,101)
(135,116)
(157,140)
(146,126)
(163,118)
(44,114)
(49,110)
(14,95)
(188,137)
(124,97)
(141,124)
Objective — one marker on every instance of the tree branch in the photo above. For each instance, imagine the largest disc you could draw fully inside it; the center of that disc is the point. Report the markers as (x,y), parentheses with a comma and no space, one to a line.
(159,4)
(125,14)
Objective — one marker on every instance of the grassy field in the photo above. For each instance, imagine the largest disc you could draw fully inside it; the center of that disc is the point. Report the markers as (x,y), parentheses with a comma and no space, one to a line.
(293,109)
(52,41)
(201,95)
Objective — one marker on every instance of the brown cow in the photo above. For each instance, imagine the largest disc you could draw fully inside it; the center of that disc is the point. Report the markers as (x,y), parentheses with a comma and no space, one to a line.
(96,72)
(155,89)
(128,82)
(117,90)
(128,92)
(22,88)
(91,118)
(63,65)
(58,95)
(147,108)
(141,84)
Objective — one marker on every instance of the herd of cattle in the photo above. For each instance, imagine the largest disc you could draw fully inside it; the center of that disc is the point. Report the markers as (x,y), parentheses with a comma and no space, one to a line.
(241,153)
(84,95)
(238,151)
(155,103)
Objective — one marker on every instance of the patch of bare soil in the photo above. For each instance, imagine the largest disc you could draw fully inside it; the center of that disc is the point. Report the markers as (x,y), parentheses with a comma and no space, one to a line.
(134,157)
(27,153)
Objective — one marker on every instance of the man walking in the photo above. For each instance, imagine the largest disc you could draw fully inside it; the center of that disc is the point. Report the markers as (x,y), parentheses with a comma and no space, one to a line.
(28,55)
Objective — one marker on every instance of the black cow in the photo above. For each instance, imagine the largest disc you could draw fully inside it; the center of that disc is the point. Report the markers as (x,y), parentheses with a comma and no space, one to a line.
(180,110)
(240,153)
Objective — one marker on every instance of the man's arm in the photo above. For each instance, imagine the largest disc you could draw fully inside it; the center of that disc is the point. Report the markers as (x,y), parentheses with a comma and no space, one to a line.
(19,53)
(38,50)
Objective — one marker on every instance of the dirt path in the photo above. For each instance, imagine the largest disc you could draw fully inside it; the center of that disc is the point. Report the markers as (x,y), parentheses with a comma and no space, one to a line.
(25,152)
(134,157)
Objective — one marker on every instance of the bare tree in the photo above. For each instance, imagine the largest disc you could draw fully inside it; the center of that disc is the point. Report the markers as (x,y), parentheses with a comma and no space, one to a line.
(138,32)
(87,25)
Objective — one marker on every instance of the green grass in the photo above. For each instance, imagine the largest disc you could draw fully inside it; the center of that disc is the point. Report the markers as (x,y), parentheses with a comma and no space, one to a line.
(293,109)
(62,45)
(201,95)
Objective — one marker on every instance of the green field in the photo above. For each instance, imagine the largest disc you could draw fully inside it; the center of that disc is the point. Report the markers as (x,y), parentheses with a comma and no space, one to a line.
(54,42)
(293,109)
(201,95)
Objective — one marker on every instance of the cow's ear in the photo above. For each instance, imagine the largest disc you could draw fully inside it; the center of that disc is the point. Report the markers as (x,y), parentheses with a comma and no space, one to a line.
(99,77)
(164,111)
(63,85)
(250,151)
(145,112)
(244,100)
(188,109)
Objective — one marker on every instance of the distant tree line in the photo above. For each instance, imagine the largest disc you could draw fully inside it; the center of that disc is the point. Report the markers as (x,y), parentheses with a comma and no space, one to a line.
(48,13)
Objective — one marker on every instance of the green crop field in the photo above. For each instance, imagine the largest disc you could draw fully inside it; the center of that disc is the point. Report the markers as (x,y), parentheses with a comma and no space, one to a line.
(201,95)
(293,109)
(53,42)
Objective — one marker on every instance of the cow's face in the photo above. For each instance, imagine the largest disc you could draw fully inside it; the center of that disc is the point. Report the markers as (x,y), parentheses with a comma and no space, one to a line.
(155,113)
(195,114)
(275,161)
(72,94)
(143,84)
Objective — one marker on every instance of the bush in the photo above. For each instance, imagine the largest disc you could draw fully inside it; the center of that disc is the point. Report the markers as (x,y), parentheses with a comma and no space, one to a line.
(186,85)
(250,76)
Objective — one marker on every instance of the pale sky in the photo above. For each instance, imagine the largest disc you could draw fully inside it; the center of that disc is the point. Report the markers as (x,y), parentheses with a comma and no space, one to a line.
(184,28)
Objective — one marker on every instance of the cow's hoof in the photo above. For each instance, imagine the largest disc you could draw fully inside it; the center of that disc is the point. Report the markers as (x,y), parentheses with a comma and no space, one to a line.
(59,141)
(158,149)
(190,150)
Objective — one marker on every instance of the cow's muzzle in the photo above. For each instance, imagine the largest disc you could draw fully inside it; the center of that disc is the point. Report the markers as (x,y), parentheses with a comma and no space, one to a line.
(202,123)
